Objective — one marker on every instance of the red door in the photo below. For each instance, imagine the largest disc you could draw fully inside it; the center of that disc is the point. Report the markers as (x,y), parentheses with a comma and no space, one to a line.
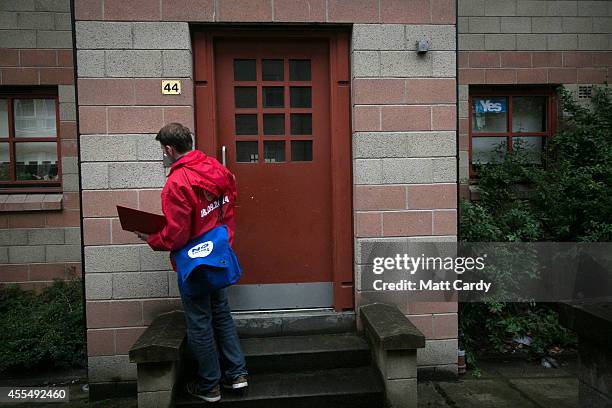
(273,118)
(278,104)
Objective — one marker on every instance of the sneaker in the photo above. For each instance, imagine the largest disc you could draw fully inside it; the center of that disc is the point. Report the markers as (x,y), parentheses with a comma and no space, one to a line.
(237,383)
(213,395)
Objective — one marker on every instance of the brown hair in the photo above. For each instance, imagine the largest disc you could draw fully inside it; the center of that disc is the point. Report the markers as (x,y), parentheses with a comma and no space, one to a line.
(175,135)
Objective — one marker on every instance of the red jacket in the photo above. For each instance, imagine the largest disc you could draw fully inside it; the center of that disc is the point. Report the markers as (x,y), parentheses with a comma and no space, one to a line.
(190,201)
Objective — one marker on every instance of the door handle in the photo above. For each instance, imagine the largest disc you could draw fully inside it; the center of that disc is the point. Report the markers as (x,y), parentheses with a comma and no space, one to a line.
(223,154)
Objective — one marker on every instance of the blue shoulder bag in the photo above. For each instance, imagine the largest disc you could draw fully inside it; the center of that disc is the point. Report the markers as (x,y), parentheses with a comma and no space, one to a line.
(207,263)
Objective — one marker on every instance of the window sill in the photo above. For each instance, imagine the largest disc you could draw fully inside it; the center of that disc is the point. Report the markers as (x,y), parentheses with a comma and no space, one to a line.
(31,202)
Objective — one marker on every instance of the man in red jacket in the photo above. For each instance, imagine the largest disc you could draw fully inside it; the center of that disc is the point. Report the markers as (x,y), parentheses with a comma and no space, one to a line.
(198,196)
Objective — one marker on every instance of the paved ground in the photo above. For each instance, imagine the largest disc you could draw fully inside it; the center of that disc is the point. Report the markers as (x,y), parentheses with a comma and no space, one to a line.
(507,384)
(503,384)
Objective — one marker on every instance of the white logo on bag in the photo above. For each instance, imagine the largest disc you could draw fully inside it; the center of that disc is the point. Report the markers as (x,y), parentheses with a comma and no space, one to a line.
(201,250)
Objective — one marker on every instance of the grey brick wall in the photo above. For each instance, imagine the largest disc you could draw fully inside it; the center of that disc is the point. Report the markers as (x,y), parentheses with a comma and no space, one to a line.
(40,245)
(388,50)
(30,24)
(535,25)
(133,49)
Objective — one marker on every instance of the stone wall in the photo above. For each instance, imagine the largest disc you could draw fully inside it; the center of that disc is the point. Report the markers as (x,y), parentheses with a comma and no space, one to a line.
(40,233)
(404,132)
(120,110)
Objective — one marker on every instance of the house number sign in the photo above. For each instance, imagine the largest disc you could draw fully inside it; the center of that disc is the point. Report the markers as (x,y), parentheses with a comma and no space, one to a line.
(171,87)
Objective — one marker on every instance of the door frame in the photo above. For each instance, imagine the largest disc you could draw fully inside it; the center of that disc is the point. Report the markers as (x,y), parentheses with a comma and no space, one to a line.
(340,128)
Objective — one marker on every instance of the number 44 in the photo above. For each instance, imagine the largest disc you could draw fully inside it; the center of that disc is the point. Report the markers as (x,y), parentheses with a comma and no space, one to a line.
(171,87)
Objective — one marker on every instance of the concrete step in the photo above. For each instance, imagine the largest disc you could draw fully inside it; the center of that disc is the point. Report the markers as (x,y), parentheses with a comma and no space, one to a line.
(293,323)
(300,353)
(352,387)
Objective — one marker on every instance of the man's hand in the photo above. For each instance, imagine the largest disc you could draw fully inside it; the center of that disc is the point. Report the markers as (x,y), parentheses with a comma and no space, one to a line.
(142,236)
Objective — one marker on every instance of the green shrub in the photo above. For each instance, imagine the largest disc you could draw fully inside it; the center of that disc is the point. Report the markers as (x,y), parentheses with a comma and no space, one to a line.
(493,327)
(45,329)
(566,199)
(575,188)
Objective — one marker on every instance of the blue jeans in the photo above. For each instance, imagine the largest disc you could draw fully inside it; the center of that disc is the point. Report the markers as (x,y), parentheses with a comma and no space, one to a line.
(212,336)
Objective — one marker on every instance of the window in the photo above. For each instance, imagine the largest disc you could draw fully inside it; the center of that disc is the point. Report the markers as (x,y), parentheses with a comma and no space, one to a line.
(273,110)
(29,148)
(501,120)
